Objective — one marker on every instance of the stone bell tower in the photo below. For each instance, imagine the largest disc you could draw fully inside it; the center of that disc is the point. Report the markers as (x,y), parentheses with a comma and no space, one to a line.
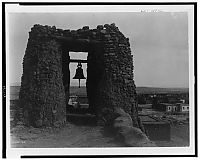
(45,80)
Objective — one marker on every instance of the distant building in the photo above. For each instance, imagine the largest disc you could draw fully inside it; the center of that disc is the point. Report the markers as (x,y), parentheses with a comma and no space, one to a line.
(183,107)
(73,101)
(78,101)
(166,107)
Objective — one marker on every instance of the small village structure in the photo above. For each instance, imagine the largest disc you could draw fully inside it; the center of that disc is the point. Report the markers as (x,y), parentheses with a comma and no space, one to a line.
(168,107)
(182,107)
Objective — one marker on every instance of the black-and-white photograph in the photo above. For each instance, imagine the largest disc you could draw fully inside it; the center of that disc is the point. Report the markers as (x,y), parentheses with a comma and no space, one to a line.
(100,77)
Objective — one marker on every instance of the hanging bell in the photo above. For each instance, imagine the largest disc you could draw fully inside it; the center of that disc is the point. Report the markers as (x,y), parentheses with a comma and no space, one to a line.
(79,73)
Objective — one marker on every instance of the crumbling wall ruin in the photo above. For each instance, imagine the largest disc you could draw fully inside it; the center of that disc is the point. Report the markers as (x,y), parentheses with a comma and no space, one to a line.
(45,81)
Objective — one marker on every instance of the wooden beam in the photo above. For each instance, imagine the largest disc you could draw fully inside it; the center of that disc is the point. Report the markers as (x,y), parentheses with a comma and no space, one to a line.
(77,60)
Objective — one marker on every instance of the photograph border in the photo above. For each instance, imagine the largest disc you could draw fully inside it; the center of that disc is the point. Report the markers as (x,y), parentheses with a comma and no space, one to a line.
(4,145)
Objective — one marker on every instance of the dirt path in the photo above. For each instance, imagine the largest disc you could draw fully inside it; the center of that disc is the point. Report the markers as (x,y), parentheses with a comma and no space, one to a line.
(68,136)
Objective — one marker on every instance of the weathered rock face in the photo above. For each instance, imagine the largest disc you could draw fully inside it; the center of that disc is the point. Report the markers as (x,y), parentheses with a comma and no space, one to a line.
(45,80)
(132,136)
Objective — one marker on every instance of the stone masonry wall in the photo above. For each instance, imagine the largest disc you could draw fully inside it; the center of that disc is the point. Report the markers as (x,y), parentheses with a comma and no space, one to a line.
(42,92)
(110,83)
(116,88)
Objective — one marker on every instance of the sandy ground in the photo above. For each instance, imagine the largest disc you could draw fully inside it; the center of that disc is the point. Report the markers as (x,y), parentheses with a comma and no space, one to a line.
(69,135)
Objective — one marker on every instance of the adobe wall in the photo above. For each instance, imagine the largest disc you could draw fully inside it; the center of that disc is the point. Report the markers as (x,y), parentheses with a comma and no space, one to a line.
(110,84)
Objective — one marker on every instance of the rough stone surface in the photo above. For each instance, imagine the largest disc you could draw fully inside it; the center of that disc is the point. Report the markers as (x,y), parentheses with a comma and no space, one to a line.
(45,80)
(132,136)
(123,121)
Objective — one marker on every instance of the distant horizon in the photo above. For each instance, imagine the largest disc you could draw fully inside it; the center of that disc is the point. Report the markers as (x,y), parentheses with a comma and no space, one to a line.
(18,84)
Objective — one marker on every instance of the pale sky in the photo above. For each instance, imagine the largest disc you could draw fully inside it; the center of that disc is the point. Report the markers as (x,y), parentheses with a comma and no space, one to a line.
(159,42)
